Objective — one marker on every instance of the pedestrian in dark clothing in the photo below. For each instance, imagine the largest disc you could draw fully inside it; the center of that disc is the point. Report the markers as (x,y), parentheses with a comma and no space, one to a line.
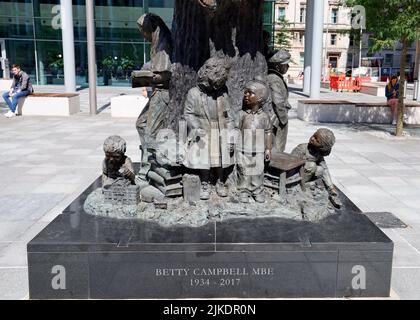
(392,92)
(21,87)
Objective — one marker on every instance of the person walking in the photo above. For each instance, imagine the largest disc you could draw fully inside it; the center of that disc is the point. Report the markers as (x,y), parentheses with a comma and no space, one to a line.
(21,87)
(392,92)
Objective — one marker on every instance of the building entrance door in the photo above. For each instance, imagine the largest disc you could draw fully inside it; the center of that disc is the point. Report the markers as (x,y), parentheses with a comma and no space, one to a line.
(333,61)
(4,63)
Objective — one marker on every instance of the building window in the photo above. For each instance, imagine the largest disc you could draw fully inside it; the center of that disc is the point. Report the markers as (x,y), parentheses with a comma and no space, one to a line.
(349,59)
(334,16)
(333,39)
(301,37)
(302,15)
(408,59)
(351,43)
(389,57)
(302,58)
(281,13)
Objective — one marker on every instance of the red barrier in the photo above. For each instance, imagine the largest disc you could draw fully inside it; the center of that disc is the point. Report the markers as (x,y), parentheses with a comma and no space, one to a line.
(342,83)
(357,84)
(334,83)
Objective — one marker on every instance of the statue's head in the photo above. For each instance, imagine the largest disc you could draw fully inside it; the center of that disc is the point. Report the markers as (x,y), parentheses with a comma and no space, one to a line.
(114,148)
(322,141)
(255,94)
(148,23)
(280,61)
(214,73)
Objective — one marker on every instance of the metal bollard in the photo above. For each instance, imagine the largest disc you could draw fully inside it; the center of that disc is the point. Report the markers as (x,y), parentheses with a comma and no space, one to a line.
(416,90)
(5,67)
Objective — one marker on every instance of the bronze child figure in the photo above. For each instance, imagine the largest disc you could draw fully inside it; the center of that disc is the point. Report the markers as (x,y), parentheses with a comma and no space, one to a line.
(255,142)
(278,65)
(319,146)
(116,165)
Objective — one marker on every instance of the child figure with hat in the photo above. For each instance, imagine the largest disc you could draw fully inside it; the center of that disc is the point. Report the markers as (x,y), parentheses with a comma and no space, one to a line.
(278,65)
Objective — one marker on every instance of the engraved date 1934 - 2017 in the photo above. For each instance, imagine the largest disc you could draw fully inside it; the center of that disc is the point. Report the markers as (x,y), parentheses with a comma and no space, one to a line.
(221,277)
(206,282)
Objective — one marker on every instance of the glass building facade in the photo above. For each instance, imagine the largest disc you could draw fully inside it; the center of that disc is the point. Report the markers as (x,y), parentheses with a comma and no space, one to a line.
(30,35)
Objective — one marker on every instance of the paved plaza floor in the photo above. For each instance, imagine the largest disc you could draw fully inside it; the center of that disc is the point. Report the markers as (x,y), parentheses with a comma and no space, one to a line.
(46,162)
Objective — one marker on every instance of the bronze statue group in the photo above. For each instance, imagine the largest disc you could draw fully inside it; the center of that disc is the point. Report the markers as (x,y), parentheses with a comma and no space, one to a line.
(219,139)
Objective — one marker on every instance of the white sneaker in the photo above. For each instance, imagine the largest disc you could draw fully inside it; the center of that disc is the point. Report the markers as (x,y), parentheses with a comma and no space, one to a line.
(10,114)
(7,113)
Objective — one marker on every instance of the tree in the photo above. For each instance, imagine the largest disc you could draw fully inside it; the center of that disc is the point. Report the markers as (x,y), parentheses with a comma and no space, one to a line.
(284,36)
(223,28)
(390,22)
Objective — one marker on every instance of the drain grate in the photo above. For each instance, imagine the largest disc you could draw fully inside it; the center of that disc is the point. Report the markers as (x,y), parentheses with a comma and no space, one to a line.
(385,220)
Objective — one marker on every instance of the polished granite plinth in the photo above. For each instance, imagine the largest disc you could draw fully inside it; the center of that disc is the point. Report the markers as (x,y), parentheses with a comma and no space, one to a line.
(82,256)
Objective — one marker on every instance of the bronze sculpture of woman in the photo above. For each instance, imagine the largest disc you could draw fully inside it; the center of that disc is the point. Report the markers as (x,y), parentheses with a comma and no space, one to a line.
(152,117)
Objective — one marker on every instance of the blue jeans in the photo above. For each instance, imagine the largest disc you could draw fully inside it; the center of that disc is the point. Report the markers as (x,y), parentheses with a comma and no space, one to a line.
(12,103)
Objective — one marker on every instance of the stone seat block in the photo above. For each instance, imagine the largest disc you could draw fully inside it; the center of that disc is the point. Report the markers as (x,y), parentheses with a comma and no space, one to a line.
(5,84)
(373,89)
(325,111)
(127,106)
(49,104)
(336,111)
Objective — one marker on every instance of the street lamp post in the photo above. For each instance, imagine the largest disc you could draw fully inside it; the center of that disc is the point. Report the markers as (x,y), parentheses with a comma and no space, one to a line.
(325,63)
(68,45)
(90,29)
(417,67)
(317,42)
(308,47)
(360,48)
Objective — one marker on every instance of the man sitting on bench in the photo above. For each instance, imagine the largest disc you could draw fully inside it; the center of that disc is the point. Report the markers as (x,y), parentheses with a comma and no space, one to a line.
(21,87)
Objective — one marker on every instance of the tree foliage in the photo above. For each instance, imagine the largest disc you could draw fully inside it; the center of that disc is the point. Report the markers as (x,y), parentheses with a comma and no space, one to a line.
(283,37)
(389,22)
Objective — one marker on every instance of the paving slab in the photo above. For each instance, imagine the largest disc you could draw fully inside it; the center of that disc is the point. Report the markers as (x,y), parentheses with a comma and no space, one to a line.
(14,230)
(405,282)
(14,282)
(24,207)
(14,255)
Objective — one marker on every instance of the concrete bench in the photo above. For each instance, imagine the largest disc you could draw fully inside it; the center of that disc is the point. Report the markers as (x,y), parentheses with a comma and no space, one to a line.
(5,84)
(326,110)
(49,104)
(373,89)
(353,112)
(127,106)
(381,113)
